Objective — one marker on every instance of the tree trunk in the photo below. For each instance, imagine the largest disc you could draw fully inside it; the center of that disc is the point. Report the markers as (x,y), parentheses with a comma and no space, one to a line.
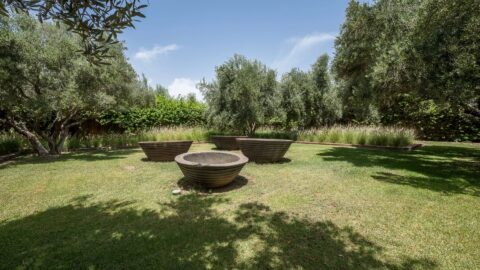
(31,137)
(251,129)
(55,134)
(56,142)
(36,144)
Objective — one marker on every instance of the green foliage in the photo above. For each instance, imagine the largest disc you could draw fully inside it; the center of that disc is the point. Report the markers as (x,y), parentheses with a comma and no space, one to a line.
(46,87)
(432,122)
(10,143)
(425,49)
(322,104)
(242,97)
(166,112)
(161,91)
(97,22)
(309,99)
(352,62)
(295,85)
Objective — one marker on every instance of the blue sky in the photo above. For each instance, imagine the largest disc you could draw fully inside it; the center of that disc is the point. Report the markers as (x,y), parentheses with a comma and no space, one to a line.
(182,41)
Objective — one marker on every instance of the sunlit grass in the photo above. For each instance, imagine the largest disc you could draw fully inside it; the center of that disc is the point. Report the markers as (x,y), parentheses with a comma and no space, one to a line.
(328,208)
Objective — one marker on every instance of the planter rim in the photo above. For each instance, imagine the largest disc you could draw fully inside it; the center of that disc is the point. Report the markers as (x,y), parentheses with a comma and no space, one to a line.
(241,160)
(264,140)
(159,142)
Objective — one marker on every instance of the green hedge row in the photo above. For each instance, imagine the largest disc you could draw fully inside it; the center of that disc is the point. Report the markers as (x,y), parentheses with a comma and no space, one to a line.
(167,112)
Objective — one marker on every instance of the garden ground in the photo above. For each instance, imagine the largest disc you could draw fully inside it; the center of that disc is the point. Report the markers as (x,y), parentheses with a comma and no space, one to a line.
(324,208)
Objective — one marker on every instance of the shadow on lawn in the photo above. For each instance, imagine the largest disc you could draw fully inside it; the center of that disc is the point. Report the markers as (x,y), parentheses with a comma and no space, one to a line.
(446,169)
(96,155)
(186,234)
(188,185)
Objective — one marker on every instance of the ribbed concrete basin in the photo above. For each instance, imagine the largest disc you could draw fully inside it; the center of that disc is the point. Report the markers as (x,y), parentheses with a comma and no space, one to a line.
(264,150)
(164,151)
(226,142)
(211,169)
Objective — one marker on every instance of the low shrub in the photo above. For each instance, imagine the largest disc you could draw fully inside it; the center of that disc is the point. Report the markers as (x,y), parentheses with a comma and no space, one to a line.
(11,143)
(167,112)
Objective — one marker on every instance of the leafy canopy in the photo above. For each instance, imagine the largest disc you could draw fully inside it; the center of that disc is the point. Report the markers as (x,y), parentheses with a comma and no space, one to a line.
(97,22)
(45,88)
(415,51)
(242,97)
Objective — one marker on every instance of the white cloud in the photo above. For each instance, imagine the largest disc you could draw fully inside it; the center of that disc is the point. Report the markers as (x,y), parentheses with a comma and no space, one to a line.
(300,48)
(147,55)
(183,87)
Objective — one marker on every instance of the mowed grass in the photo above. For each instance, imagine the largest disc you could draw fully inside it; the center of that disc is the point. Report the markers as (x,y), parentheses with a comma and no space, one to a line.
(328,208)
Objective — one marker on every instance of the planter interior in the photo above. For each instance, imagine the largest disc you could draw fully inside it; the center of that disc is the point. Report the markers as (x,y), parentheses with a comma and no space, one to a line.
(264,150)
(226,142)
(211,169)
(164,151)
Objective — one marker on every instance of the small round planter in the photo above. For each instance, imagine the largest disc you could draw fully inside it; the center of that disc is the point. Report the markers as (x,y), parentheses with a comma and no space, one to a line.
(264,150)
(164,151)
(211,169)
(226,142)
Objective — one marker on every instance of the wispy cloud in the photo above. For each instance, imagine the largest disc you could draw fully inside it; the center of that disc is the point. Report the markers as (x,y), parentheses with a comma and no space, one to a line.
(150,54)
(300,48)
(183,87)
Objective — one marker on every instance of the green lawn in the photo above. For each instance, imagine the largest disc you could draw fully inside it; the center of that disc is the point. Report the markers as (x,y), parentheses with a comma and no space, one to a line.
(329,208)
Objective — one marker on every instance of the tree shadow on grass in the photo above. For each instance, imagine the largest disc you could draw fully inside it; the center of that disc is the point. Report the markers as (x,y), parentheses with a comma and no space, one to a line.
(97,155)
(188,233)
(283,160)
(442,185)
(446,169)
(188,185)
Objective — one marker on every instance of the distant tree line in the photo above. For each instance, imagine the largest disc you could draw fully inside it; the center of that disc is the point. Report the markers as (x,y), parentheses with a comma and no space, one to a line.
(411,63)
(246,95)
(405,62)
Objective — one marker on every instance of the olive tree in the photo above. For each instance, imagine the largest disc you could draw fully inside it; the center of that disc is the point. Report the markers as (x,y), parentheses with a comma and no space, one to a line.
(293,87)
(97,22)
(242,97)
(309,99)
(46,88)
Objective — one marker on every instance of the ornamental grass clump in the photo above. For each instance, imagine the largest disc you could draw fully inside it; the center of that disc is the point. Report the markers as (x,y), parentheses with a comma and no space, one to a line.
(361,135)
(124,140)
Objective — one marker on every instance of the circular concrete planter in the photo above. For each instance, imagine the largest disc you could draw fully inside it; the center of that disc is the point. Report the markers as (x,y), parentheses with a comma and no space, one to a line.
(264,150)
(211,169)
(226,142)
(164,151)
